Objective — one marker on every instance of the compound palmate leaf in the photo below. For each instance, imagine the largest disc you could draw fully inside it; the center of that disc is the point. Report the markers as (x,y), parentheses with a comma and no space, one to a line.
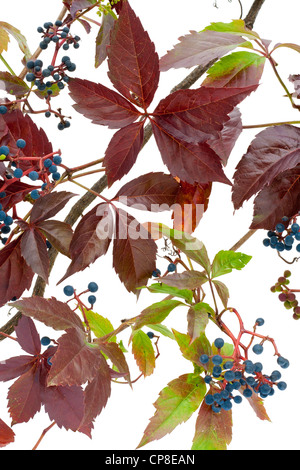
(175,405)
(6,434)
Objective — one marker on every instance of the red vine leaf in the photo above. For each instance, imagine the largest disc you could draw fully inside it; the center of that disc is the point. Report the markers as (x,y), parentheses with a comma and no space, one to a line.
(122,151)
(197,115)
(134,252)
(27,336)
(200,49)
(24,396)
(226,139)
(192,163)
(64,405)
(7,436)
(103,39)
(116,356)
(49,205)
(58,233)
(91,238)
(190,205)
(75,361)
(16,275)
(281,198)
(132,61)
(273,151)
(96,395)
(101,104)
(51,312)
(15,193)
(35,253)
(152,192)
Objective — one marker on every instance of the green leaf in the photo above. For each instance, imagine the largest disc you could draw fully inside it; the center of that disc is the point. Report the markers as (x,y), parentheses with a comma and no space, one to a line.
(175,405)
(193,351)
(225,261)
(174,291)
(198,318)
(156,313)
(235,27)
(222,291)
(238,69)
(99,325)
(143,352)
(191,246)
(213,430)
(162,329)
(19,37)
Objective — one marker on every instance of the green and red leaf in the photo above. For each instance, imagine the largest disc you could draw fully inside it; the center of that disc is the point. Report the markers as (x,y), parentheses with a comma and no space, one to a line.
(175,405)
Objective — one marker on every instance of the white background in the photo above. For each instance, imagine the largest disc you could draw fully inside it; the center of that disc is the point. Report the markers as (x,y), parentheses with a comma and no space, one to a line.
(123,421)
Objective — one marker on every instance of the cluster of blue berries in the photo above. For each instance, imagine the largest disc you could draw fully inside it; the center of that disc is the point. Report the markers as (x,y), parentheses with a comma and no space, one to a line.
(55,33)
(50,167)
(170,269)
(246,377)
(284,236)
(92,287)
(45,78)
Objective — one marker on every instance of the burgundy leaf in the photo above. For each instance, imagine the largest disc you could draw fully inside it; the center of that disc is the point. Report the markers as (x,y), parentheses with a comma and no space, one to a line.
(7,436)
(152,192)
(75,361)
(199,49)
(117,6)
(191,203)
(273,151)
(19,125)
(134,252)
(52,312)
(103,39)
(132,61)
(226,139)
(96,394)
(15,366)
(122,151)
(78,5)
(34,251)
(58,233)
(15,192)
(116,356)
(24,396)
(279,199)
(91,238)
(197,115)
(16,275)
(27,336)
(64,405)
(49,205)
(101,104)
(192,163)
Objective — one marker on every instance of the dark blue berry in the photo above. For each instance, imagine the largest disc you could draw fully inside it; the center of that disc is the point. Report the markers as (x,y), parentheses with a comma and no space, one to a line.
(21,143)
(93,287)
(150,334)
(92,299)
(219,343)
(171,267)
(257,349)
(204,359)
(33,175)
(18,173)
(3,109)
(260,321)
(69,291)
(45,341)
